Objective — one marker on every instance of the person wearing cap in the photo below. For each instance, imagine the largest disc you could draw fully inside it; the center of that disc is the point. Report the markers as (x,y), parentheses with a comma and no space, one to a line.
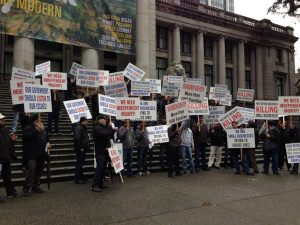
(103,133)
(82,145)
(35,141)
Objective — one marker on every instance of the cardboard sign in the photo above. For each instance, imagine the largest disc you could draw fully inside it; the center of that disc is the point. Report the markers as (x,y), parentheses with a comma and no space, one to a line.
(158,134)
(116,90)
(56,81)
(75,67)
(115,78)
(87,78)
(192,93)
(177,79)
(266,110)
(170,88)
(42,68)
(148,110)
(245,95)
(240,138)
(194,81)
(133,73)
(248,114)
(16,90)
(140,88)
(115,159)
(215,112)
(196,109)
(289,105)
(221,90)
(103,77)
(227,100)
(37,98)
(233,115)
(128,108)
(107,105)
(293,152)
(77,109)
(177,112)
(155,86)
(18,74)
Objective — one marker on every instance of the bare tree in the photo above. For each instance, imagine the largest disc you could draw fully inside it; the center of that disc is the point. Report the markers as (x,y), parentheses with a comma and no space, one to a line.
(286,7)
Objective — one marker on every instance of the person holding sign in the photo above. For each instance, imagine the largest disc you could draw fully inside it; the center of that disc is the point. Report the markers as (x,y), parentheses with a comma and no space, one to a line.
(54,115)
(142,145)
(173,151)
(293,136)
(217,139)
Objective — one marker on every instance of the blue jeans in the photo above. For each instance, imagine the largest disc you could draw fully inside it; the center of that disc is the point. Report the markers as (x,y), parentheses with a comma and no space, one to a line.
(142,158)
(267,155)
(127,157)
(245,160)
(186,151)
(15,121)
(100,170)
(80,160)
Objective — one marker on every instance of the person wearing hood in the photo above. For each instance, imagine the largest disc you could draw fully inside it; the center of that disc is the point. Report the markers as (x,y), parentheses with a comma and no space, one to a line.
(142,145)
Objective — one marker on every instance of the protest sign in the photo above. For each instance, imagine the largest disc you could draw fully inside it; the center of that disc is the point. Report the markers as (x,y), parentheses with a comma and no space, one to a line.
(248,114)
(232,115)
(107,105)
(140,88)
(42,68)
(170,88)
(177,112)
(266,110)
(221,90)
(245,95)
(116,90)
(194,81)
(75,67)
(116,77)
(56,81)
(148,111)
(18,74)
(119,147)
(178,79)
(103,77)
(37,98)
(289,105)
(240,138)
(293,152)
(16,89)
(155,86)
(77,109)
(214,114)
(87,78)
(227,100)
(196,109)
(115,159)
(133,73)
(193,93)
(128,108)
(212,94)
(158,134)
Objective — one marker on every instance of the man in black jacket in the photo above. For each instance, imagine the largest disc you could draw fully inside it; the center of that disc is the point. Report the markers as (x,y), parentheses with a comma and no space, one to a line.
(82,145)
(54,115)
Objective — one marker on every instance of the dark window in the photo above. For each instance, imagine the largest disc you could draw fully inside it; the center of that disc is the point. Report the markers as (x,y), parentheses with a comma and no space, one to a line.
(188,69)
(247,55)
(229,79)
(162,38)
(8,64)
(280,87)
(228,51)
(9,40)
(208,47)
(161,66)
(48,46)
(279,56)
(209,76)
(186,42)
(248,79)
(110,55)
(111,69)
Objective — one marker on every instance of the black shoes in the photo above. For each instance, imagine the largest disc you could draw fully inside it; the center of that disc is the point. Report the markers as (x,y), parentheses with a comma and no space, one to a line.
(37,190)
(14,195)
(276,173)
(96,189)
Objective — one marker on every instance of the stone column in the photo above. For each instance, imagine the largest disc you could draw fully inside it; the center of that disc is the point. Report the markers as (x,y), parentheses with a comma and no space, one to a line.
(200,56)
(241,65)
(90,58)
(23,56)
(176,43)
(221,59)
(234,69)
(259,76)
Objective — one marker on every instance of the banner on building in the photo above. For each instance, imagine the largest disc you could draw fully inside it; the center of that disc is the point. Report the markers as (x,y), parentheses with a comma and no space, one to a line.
(289,105)
(293,152)
(231,116)
(194,81)
(16,90)
(178,79)
(117,77)
(37,98)
(177,112)
(140,88)
(56,81)
(148,111)
(158,134)
(75,67)
(116,159)
(88,78)
(116,90)
(103,24)
(240,138)
(215,112)
(193,93)
(266,110)
(128,108)
(103,77)
(196,109)
(170,88)
(245,95)
(77,109)
(107,105)
(42,68)
(155,86)
(133,73)
(18,74)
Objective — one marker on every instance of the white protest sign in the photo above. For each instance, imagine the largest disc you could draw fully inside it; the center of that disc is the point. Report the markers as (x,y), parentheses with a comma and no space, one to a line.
(221,90)
(227,100)
(193,93)
(196,109)
(37,98)
(155,86)
(245,95)
(248,114)
(107,105)
(119,147)
(75,67)
(177,112)
(42,68)
(266,110)
(132,72)
(215,112)
(170,88)
(116,90)
(289,105)
(87,78)
(194,81)
(16,90)
(56,81)
(116,77)
(116,159)
(128,108)
(178,79)
(158,134)
(140,88)
(240,138)
(293,152)
(103,77)
(212,93)
(148,111)
(18,74)
(77,109)
(232,115)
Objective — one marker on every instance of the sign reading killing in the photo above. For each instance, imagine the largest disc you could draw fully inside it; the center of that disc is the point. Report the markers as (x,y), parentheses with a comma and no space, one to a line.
(266,110)
(240,138)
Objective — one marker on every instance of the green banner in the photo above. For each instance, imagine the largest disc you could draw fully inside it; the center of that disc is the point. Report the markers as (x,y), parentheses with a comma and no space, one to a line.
(103,24)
